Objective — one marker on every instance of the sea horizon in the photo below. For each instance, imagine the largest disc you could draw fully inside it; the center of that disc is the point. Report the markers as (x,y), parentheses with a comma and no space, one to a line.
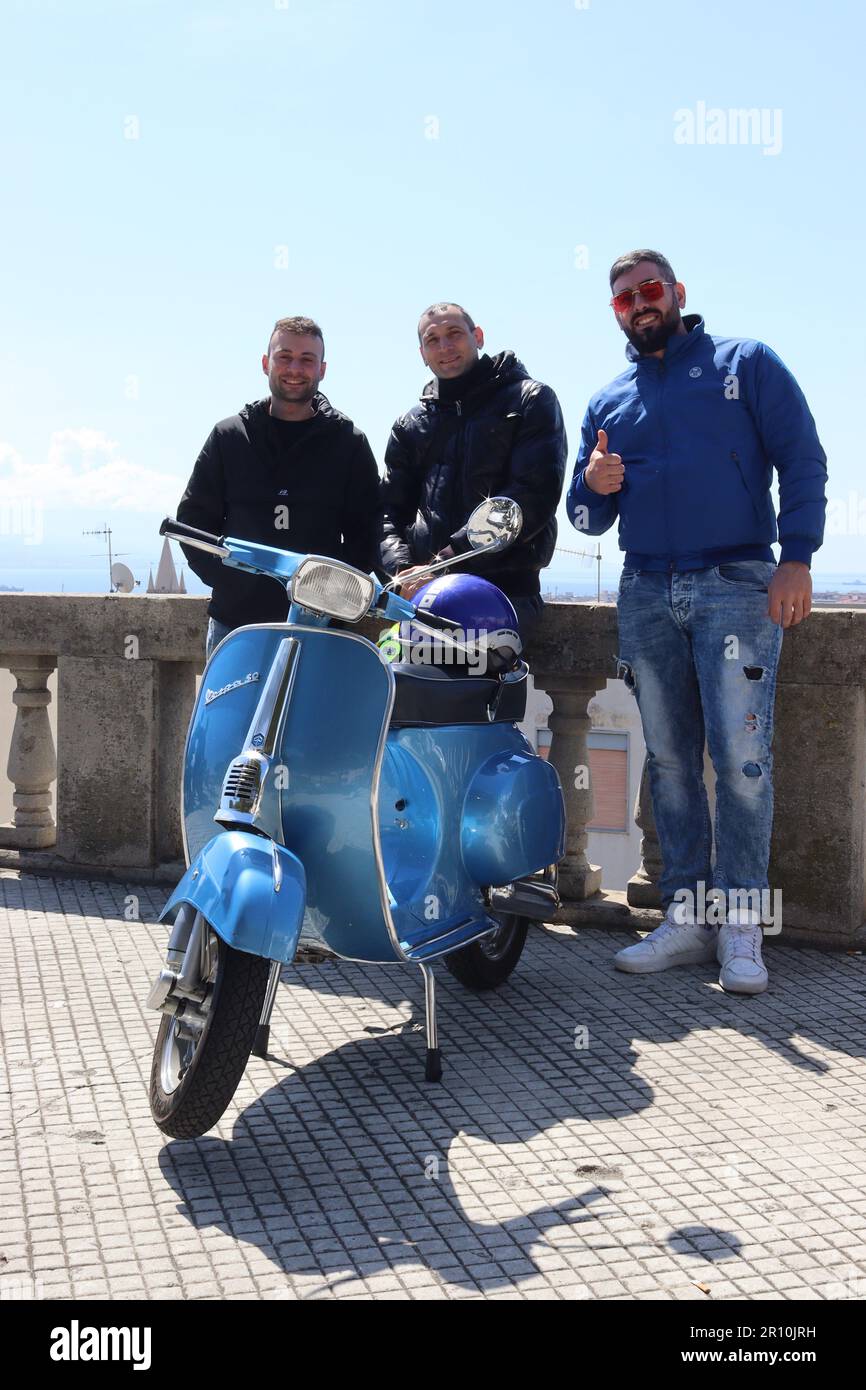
(59,579)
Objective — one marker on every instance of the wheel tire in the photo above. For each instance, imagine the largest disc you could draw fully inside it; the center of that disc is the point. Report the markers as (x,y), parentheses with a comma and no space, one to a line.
(479,968)
(221,1054)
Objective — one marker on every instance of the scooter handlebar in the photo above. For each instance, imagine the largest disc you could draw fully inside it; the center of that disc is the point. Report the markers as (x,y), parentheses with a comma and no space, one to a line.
(436,620)
(169,526)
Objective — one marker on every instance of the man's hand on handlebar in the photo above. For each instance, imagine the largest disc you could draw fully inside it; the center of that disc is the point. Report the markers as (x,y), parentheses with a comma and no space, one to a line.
(411,580)
(414,578)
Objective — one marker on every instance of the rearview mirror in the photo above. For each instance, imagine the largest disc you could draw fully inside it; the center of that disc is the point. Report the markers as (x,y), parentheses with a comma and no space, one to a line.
(495,524)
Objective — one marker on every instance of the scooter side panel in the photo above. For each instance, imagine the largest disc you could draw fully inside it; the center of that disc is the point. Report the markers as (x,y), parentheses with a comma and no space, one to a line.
(430,824)
(513,818)
(250,889)
(330,745)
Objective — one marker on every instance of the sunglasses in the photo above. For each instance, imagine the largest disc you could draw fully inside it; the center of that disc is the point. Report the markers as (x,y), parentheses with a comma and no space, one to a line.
(650,290)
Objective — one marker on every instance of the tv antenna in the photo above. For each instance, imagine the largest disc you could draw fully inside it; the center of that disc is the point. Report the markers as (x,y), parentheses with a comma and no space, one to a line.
(587,555)
(118,575)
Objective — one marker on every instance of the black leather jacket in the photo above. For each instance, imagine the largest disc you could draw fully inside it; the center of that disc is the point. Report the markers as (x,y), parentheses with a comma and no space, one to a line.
(506,437)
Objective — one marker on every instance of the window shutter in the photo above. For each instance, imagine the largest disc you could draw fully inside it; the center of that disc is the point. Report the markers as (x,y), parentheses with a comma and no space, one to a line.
(608,770)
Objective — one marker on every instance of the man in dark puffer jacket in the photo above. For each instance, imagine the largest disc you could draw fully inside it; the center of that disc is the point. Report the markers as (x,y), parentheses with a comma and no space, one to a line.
(483,428)
(288,471)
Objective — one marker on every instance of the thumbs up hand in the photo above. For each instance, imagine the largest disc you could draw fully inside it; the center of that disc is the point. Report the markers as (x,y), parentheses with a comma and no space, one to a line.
(604,472)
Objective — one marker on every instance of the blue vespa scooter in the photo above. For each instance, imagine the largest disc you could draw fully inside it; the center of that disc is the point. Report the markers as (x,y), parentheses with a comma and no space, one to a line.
(382,812)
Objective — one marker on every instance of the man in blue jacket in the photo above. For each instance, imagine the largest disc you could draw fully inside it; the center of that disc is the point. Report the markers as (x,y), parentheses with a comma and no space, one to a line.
(681,448)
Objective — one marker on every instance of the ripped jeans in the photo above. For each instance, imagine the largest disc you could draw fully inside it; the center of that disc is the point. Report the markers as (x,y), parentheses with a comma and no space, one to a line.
(701,655)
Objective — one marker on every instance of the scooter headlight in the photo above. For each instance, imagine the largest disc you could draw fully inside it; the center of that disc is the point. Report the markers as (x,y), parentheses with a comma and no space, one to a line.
(328,586)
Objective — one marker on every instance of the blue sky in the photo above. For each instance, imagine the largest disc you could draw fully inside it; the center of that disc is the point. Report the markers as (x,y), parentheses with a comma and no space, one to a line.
(356,162)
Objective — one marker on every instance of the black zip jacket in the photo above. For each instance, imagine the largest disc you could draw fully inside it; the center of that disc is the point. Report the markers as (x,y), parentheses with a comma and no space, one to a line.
(506,437)
(246,483)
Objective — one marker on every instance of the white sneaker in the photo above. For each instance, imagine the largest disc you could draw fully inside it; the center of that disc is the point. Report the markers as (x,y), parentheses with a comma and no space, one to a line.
(739,950)
(670,944)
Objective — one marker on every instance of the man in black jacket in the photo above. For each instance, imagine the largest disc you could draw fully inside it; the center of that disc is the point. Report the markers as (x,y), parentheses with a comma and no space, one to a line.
(483,428)
(288,471)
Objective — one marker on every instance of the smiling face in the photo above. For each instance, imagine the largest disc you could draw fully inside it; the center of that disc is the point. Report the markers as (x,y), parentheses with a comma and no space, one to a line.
(648,325)
(294,366)
(449,346)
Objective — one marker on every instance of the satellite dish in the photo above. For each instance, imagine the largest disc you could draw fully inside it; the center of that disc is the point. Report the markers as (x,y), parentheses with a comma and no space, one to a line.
(122,579)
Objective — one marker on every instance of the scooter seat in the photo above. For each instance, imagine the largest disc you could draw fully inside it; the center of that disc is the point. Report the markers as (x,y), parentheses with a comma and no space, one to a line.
(431,695)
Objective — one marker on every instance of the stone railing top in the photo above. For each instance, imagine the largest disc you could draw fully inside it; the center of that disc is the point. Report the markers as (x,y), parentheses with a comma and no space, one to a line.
(829,648)
(571,639)
(169,627)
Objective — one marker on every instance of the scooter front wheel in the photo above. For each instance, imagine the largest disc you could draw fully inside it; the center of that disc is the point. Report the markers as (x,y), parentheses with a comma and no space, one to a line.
(489,961)
(200,1056)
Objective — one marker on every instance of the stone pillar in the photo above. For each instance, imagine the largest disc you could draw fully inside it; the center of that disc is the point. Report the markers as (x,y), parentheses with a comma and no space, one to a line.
(642,889)
(32,765)
(818,854)
(176,697)
(107,747)
(569,725)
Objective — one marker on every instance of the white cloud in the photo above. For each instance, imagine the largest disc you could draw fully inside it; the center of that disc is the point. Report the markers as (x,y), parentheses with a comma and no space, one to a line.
(84,469)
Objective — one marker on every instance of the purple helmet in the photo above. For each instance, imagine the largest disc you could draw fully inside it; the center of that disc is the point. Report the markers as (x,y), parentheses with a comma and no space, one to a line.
(486,640)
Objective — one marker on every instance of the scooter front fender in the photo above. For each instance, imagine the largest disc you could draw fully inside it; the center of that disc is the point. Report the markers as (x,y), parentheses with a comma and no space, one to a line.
(251,890)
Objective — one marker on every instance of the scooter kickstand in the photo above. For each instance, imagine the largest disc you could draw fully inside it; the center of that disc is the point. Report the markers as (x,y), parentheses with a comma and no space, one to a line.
(263,1032)
(433,1065)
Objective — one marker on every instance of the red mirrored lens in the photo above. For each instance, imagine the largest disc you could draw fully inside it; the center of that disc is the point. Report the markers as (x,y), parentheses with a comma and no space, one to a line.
(650,290)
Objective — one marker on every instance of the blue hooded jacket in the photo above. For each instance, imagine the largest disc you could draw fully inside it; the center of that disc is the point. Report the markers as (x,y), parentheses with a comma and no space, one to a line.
(700,431)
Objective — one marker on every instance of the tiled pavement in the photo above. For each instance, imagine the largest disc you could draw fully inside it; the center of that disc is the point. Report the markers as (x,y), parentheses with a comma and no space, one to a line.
(700,1147)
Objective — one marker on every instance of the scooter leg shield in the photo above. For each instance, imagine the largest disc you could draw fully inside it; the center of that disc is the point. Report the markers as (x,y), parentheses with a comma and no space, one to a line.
(251,890)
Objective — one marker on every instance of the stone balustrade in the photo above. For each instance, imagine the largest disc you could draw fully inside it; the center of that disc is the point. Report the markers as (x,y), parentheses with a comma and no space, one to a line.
(126,673)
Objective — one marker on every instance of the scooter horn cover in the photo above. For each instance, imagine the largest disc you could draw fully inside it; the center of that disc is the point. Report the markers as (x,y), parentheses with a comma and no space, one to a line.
(486,639)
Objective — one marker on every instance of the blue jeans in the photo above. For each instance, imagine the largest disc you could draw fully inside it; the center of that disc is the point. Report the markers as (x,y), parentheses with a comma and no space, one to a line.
(701,655)
(216,631)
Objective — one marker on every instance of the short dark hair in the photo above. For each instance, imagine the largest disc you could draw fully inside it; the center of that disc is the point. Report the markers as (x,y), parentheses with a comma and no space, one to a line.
(300,326)
(440,309)
(633,258)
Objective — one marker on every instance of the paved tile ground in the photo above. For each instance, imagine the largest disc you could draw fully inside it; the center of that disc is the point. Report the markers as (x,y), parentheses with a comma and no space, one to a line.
(700,1147)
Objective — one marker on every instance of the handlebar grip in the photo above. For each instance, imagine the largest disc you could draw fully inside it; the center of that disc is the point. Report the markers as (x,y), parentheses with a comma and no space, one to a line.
(436,620)
(180,528)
